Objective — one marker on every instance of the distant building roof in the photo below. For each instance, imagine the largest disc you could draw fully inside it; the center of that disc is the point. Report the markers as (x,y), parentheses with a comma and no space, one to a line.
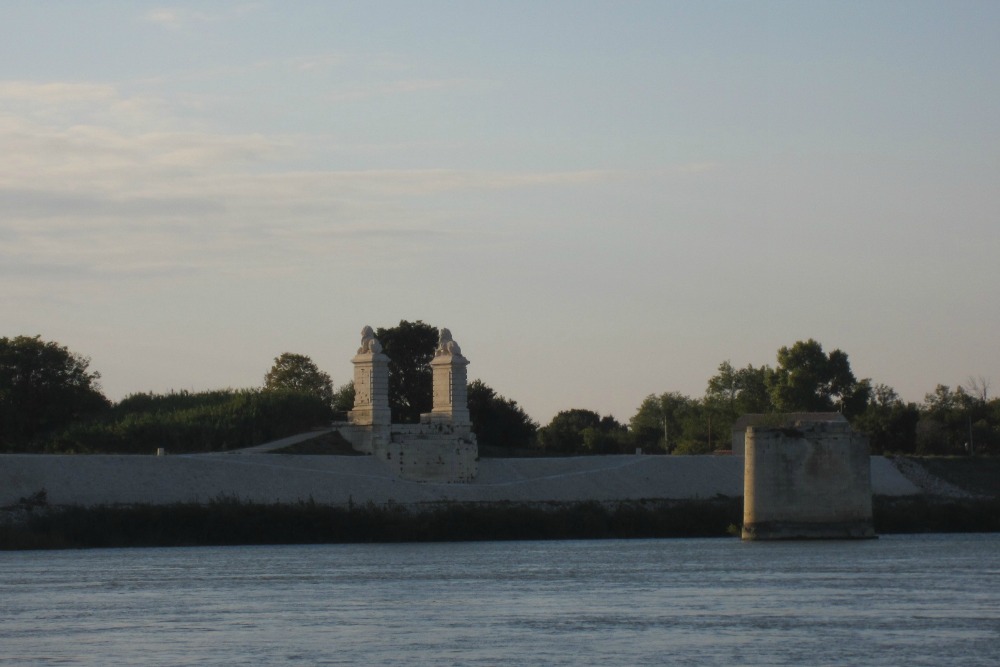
(786,419)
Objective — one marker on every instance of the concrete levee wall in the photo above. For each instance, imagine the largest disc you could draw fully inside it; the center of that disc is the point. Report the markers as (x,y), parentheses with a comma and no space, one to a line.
(811,482)
(339,480)
(430,452)
(432,460)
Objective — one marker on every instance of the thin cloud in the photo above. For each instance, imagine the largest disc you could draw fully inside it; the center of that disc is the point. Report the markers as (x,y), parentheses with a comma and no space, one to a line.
(82,270)
(316,62)
(98,184)
(312,64)
(32,204)
(44,106)
(170,18)
(89,156)
(697,167)
(178,17)
(402,87)
(56,93)
(421,85)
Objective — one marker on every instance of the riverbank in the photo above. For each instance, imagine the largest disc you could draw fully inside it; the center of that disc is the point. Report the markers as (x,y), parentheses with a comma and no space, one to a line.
(260,498)
(230,522)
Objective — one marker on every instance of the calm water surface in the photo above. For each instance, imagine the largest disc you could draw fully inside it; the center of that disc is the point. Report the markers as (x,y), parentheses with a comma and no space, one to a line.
(900,600)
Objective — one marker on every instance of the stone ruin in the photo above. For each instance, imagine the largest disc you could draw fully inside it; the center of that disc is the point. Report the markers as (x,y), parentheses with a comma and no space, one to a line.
(442,447)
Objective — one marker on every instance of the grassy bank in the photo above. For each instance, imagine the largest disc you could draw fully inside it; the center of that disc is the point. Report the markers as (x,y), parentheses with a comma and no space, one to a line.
(228,523)
(926,514)
(35,525)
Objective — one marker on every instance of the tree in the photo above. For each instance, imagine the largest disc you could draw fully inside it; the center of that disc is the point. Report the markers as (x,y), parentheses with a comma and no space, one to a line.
(297,372)
(889,423)
(807,380)
(343,398)
(564,432)
(957,422)
(499,421)
(43,386)
(583,431)
(657,422)
(741,390)
(979,387)
(675,423)
(410,347)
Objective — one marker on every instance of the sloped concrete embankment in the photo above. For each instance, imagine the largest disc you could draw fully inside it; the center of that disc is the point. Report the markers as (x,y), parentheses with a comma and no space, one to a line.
(342,480)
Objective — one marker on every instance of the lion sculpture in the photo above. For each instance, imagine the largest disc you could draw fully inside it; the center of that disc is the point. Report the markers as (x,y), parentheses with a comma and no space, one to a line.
(447,345)
(369,343)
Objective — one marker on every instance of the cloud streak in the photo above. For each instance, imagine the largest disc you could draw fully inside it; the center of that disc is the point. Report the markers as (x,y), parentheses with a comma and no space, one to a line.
(175,18)
(401,87)
(120,195)
(56,93)
(33,204)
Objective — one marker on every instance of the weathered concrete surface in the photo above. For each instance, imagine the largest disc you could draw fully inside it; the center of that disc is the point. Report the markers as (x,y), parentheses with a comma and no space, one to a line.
(813,481)
(337,480)
(284,442)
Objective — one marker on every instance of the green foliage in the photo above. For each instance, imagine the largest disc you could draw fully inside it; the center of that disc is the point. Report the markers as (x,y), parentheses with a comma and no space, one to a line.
(693,447)
(677,424)
(605,439)
(297,372)
(656,425)
(499,421)
(807,380)
(50,401)
(740,391)
(584,432)
(343,400)
(565,432)
(890,424)
(193,422)
(43,386)
(958,421)
(410,347)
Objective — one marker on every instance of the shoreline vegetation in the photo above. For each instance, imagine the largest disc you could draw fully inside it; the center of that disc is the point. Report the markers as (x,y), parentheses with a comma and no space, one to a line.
(53,404)
(32,524)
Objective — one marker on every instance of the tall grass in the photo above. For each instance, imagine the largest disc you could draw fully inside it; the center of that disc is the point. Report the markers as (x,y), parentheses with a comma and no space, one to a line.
(228,522)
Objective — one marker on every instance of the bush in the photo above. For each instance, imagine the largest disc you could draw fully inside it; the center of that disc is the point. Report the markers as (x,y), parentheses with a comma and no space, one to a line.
(193,422)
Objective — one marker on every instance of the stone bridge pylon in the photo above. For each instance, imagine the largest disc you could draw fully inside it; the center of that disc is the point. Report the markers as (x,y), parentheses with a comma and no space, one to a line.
(442,447)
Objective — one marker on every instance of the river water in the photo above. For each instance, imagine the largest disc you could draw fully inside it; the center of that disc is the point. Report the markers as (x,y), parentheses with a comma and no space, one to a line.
(899,600)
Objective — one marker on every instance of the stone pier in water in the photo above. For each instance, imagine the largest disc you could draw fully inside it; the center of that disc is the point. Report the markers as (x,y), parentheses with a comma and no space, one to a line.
(812,481)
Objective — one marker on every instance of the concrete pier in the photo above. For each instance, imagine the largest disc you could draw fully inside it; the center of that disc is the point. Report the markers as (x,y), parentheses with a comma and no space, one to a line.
(808,482)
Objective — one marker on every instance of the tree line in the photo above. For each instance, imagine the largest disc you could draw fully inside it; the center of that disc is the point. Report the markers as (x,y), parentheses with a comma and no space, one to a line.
(949,422)
(51,401)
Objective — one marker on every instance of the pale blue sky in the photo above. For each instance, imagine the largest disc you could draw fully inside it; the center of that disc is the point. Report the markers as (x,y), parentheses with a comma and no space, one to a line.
(602,200)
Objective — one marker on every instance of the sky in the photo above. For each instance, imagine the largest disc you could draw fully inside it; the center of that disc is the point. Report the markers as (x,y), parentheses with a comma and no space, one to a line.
(601,200)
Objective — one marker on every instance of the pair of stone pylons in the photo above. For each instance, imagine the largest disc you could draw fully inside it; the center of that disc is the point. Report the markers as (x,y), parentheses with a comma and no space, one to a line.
(442,447)
(371,384)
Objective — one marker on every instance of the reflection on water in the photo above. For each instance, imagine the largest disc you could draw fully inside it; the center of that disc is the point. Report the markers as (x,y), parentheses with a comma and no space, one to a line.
(906,600)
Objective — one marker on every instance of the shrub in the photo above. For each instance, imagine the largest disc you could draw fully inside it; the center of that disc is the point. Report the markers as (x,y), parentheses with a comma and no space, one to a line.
(193,422)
